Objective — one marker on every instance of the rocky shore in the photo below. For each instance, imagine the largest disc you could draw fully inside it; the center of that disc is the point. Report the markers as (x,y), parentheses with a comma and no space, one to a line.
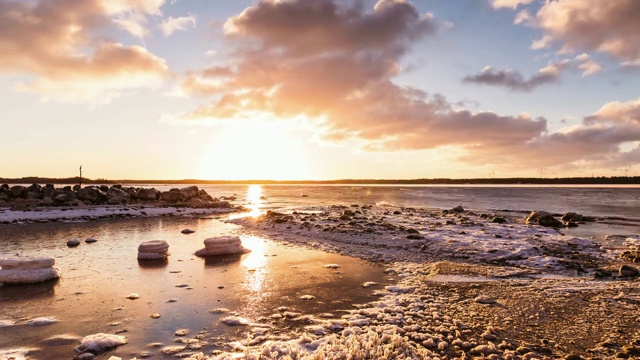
(49,195)
(474,285)
(36,203)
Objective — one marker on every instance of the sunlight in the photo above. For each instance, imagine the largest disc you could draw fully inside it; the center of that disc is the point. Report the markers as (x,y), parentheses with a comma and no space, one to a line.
(254,200)
(256,149)
(254,263)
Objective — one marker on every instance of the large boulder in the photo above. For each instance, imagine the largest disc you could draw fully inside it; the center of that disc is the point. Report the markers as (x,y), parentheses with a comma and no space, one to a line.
(63,196)
(172,196)
(189,192)
(543,218)
(147,194)
(133,193)
(197,202)
(91,194)
(34,192)
(18,191)
(48,191)
(117,196)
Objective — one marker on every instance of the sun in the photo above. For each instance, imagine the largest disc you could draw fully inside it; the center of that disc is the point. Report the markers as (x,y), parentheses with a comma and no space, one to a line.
(255,150)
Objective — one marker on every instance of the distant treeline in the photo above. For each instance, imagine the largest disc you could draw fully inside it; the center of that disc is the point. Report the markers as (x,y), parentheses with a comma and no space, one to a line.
(631,180)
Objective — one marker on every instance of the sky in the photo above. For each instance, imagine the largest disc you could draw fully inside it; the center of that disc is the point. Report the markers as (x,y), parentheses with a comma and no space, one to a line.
(319,89)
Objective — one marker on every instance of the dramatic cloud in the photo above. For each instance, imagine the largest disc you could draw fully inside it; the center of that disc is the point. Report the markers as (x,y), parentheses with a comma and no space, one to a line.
(336,64)
(51,41)
(547,75)
(592,25)
(171,25)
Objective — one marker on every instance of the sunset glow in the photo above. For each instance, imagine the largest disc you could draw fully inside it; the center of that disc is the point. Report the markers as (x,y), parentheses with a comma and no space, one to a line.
(342,89)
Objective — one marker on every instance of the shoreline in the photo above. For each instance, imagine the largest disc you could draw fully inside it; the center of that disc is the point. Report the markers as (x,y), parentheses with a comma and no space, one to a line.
(468,286)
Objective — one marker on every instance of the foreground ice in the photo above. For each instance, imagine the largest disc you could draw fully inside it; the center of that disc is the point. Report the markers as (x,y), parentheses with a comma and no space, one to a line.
(222,245)
(15,276)
(100,342)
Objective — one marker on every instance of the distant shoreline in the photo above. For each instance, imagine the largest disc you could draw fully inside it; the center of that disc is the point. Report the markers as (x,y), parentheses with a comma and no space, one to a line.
(616,180)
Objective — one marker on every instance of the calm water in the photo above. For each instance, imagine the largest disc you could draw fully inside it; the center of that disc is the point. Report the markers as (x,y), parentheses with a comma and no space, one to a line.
(605,201)
(96,279)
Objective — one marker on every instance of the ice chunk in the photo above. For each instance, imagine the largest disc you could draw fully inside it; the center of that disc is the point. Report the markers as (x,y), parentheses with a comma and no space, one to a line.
(16,276)
(26,263)
(39,321)
(100,342)
(222,245)
(235,321)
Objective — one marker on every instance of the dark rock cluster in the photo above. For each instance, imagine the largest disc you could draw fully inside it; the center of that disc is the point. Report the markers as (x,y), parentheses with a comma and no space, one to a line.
(49,195)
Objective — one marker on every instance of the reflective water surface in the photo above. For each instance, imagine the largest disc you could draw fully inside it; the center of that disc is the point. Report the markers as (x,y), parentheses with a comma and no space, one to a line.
(91,296)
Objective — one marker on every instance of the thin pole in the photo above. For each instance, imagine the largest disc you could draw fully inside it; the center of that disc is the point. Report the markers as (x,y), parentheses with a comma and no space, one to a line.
(80,175)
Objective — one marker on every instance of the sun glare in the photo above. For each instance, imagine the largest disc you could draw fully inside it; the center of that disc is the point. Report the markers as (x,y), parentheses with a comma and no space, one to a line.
(255,150)
(255,200)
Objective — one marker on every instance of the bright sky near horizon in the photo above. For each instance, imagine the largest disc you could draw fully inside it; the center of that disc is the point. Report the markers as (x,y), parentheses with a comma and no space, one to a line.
(319,89)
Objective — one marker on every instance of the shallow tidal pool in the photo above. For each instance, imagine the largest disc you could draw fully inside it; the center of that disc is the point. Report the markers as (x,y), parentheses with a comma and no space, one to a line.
(91,295)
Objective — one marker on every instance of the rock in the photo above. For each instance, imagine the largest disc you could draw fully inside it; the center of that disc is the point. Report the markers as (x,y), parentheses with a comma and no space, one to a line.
(628,271)
(189,192)
(104,188)
(570,224)
(458,209)
(132,192)
(222,245)
(348,213)
(34,192)
(147,194)
(18,191)
(543,218)
(484,300)
(171,196)
(63,196)
(117,196)
(49,191)
(90,240)
(91,194)
(571,216)
(73,242)
(187,231)
(199,203)
(499,220)
(76,187)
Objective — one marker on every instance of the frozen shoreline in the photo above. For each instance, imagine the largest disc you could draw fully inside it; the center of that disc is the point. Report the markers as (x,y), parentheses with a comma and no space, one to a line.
(10,216)
(468,286)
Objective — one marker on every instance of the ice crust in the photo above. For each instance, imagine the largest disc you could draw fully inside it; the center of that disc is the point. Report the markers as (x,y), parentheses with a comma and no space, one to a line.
(222,245)
(14,276)
(100,342)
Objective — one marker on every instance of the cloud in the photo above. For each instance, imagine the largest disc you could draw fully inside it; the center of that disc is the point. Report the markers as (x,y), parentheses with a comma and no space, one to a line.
(512,4)
(592,25)
(171,25)
(335,64)
(131,16)
(547,75)
(618,112)
(513,79)
(52,43)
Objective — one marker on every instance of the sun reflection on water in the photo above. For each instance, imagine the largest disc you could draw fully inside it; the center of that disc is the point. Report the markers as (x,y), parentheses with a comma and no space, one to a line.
(255,264)
(255,199)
